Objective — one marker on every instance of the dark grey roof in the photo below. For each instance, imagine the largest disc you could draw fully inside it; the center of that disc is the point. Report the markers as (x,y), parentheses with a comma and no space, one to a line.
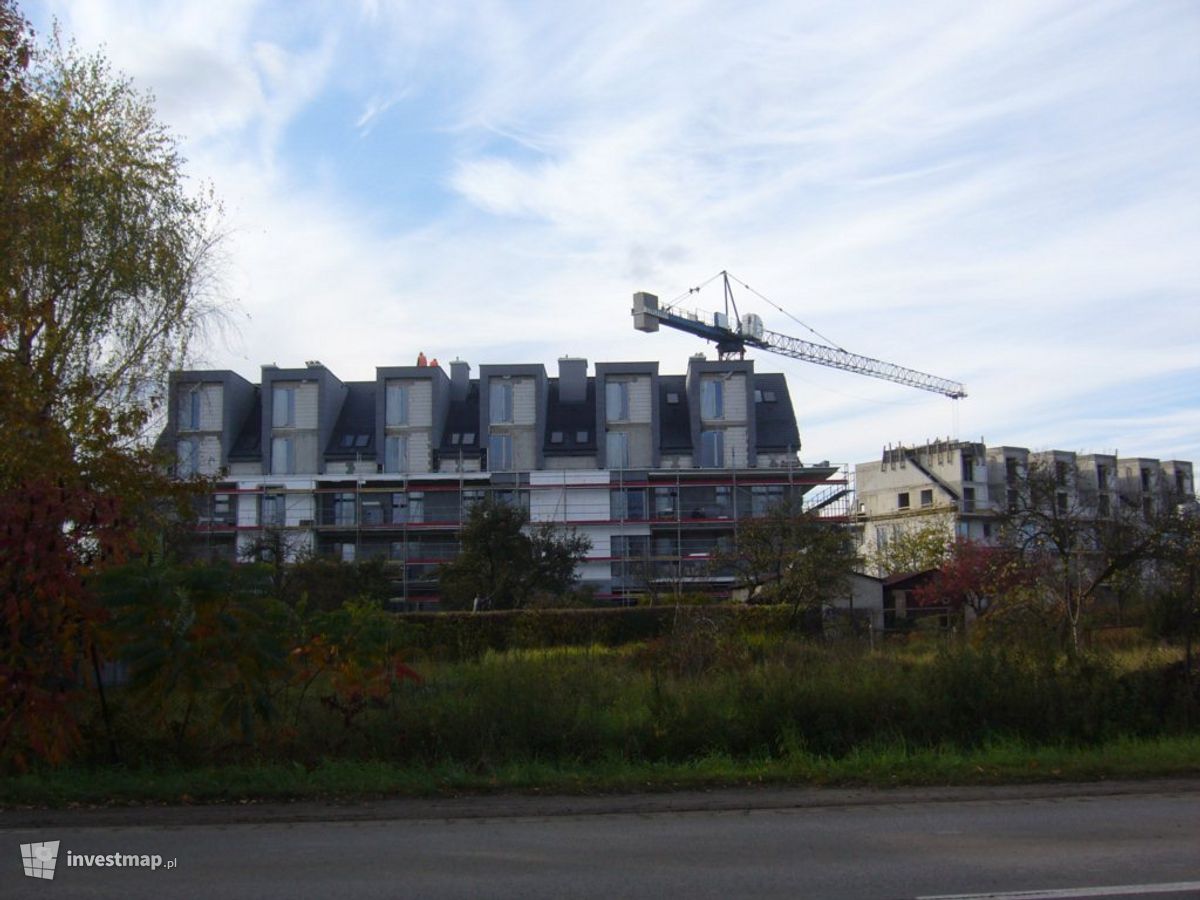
(775,419)
(569,420)
(674,418)
(354,433)
(247,446)
(462,419)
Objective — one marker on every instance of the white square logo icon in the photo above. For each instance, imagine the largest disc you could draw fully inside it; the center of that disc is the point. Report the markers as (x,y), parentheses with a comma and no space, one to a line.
(39,859)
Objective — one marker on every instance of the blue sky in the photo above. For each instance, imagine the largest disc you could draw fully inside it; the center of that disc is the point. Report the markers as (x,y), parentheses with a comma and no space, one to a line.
(1003,194)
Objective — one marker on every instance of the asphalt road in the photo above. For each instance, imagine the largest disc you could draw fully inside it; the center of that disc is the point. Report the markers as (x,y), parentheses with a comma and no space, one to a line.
(1142,839)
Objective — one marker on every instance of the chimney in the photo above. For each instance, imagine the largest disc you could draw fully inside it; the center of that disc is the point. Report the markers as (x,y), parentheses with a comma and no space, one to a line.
(572,380)
(460,379)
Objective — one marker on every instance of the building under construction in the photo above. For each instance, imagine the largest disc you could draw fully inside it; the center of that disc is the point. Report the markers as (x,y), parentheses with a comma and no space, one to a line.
(655,470)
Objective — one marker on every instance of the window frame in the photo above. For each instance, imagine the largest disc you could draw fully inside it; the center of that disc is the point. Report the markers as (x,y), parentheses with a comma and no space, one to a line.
(712,398)
(289,456)
(288,394)
(500,413)
(619,440)
(618,391)
(396,404)
(503,461)
(395,460)
(712,457)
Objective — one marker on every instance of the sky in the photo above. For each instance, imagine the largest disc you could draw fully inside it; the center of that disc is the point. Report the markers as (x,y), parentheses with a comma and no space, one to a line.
(1004,194)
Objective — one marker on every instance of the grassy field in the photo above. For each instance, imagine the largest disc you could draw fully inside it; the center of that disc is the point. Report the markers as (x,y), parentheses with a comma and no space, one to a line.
(881,766)
(695,708)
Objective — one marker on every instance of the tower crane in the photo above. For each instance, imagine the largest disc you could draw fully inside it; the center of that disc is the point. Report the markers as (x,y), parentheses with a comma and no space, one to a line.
(747,331)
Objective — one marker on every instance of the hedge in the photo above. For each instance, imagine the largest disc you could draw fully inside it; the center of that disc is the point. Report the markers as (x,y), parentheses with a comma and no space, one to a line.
(467,635)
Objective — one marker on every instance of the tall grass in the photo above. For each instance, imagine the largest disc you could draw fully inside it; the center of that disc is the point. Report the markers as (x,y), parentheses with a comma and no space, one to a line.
(675,701)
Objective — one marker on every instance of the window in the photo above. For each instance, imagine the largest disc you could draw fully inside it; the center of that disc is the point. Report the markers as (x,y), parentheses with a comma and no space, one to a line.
(283,456)
(274,510)
(628,505)
(283,407)
(455,438)
(1060,502)
(468,437)
(1102,477)
(987,529)
(969,499)
(581,437)
(395,453)
(1012,500)
(361,440)
(343,509)
(189,411)
(500,401)
(1180,482)
(1145,479)
(712,399)
(222,508)
(372,511)
(902,500)
(500,452)
(926,499)
(712,449)
(769,396)
(1010,469)
(556,437)
(1102,506)
(397,404)
(722,501)
(188,458)
(416,506)
(616,401)
(758,396)
(672,397)
(664,502)
(1061,469)
(968,468)
(347,440)
(763,497)
(616,449)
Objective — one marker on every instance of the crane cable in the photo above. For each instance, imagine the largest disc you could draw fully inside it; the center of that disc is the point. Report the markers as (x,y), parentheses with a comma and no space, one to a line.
(831,343)
(695,290)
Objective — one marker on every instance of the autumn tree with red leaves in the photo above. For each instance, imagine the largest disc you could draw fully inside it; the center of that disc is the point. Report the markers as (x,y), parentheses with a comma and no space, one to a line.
(977,577)
(104,265)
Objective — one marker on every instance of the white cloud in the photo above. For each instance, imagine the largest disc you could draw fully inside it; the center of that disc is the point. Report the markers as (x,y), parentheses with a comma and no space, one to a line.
(1003,194)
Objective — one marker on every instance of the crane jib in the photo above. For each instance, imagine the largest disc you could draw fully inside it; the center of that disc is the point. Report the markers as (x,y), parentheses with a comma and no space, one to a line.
(734,341)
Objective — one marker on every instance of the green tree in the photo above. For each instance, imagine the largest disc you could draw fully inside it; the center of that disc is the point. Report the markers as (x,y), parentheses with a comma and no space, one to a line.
(105,263)
(926,546)
(793,556)
(503,562)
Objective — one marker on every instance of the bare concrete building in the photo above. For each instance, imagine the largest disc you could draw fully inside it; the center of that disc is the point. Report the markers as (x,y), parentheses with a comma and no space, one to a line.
(968,487)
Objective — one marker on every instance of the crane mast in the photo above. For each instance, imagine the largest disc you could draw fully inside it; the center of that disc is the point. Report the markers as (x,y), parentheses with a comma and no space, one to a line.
(747,331)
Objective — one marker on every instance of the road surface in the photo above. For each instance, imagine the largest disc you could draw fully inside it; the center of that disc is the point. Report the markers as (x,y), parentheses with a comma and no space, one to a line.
(1106,840)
